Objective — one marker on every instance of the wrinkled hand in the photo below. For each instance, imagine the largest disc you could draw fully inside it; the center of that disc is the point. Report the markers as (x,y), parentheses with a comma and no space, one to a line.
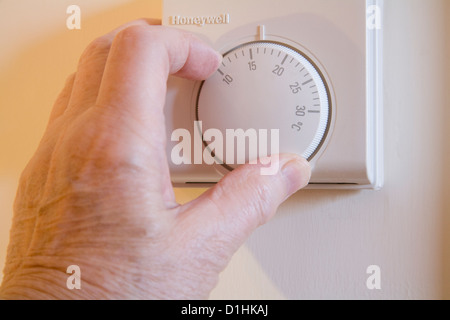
(97,193)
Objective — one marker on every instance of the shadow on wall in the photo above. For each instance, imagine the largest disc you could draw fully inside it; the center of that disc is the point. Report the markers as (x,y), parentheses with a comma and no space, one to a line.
(313,251)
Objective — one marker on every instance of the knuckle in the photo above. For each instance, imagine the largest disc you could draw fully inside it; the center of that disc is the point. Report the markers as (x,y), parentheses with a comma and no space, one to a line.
(252,198)
(135,33)
(98,47)
(70,79)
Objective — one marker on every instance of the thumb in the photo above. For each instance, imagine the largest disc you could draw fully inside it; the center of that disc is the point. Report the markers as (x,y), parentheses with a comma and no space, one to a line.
(246,199)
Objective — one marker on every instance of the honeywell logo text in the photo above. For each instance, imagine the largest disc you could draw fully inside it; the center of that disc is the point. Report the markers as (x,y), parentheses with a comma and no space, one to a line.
(200,20)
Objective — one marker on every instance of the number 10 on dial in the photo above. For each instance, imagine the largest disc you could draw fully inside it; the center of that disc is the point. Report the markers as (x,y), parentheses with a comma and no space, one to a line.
(268,85)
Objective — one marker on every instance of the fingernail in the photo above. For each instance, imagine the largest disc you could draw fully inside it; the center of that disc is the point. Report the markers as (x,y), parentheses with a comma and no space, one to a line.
(297,173)
(219,57)
(212,58)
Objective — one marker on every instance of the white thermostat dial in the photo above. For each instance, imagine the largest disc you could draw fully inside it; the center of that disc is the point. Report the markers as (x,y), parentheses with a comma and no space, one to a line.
(268,85)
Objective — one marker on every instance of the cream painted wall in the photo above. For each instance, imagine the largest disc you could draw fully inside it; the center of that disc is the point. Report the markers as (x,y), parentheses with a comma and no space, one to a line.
(321,242)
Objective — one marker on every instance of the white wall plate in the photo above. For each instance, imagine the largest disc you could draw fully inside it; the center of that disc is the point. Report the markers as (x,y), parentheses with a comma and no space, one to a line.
(312,69)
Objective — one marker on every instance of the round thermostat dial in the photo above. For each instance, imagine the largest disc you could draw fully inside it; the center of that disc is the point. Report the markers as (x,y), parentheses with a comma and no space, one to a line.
(272,86)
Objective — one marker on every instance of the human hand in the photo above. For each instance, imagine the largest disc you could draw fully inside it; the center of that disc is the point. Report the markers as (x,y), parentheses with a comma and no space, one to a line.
(97,192)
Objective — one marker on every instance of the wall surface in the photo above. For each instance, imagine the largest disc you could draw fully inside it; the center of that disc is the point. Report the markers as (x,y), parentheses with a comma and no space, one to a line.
(321,242)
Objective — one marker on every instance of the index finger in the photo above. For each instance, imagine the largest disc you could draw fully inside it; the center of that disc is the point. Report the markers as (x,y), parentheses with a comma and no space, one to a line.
(134,84)
(140,61)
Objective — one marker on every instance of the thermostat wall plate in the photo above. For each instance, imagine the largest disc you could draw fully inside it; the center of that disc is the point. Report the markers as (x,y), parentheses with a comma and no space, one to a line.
(305,73)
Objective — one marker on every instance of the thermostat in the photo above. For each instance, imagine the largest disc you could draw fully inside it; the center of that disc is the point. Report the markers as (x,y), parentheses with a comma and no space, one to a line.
(304,76)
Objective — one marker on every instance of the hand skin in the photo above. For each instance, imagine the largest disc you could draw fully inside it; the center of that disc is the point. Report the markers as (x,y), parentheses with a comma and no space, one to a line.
(97,192)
